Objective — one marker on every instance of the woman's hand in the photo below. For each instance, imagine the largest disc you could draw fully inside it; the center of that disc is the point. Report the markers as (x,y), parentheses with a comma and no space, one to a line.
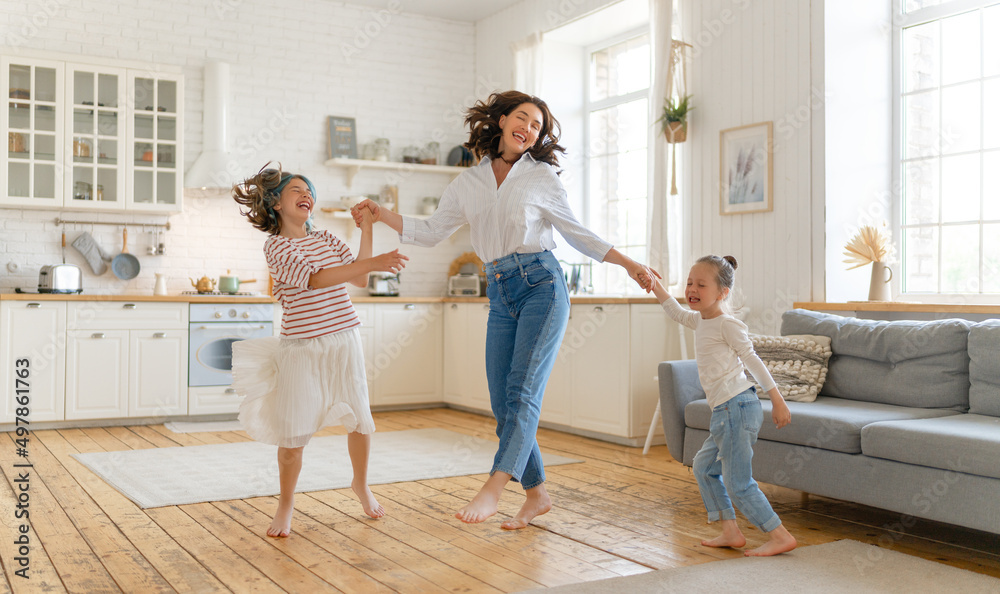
(389,262)
(643,275)
(372,207)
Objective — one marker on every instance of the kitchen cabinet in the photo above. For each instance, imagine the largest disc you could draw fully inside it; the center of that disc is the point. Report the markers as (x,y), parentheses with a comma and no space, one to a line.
(465,382)
(91,137)
(126,359)
(405,368)
(654,337)
(35,331)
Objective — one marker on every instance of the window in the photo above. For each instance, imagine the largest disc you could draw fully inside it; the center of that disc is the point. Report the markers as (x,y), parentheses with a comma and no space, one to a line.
(949,72)
(618,130)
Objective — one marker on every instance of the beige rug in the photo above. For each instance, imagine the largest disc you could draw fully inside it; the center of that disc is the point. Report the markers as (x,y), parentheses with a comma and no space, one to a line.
(175,476)
(832,568)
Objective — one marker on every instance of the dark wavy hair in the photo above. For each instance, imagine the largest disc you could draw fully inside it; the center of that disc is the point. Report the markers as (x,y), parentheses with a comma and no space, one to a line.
(259,193)
(483,120)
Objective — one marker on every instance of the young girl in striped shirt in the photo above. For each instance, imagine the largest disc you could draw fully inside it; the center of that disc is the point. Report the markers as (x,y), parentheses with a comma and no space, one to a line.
(314,374)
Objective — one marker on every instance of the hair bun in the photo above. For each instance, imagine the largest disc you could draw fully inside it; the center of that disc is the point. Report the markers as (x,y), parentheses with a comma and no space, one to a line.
(732,261)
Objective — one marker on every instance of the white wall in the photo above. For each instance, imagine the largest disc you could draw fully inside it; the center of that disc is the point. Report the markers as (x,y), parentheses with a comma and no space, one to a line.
(751,63)
(293,63)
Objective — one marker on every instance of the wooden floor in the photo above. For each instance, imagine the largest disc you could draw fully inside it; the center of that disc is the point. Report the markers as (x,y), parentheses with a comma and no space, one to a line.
(618,513)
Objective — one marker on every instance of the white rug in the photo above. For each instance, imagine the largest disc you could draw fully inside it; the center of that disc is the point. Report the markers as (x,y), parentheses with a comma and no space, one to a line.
(175,476)
(203,426)
(832,568)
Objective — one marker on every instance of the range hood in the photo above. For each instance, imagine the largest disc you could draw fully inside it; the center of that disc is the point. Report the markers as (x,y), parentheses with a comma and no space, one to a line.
(211,169)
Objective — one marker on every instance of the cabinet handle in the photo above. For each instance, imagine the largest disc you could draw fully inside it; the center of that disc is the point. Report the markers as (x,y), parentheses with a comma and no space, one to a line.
(97,335)
(230,391)
(128,306)
(33,305)
(598,308)
(454,306)
(409,307)
(486,307)
(159,335)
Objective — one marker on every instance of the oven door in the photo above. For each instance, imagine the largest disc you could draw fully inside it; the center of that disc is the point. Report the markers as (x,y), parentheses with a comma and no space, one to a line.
(210,352)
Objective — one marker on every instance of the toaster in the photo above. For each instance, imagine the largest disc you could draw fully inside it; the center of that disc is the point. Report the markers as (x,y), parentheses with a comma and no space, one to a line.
(463,285)
(60,278)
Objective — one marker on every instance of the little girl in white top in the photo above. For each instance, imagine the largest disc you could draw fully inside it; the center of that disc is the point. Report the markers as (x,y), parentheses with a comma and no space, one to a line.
(723,465)
(314,375)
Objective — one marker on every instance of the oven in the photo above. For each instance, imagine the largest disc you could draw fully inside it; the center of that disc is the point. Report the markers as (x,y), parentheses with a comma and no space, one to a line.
(213,330)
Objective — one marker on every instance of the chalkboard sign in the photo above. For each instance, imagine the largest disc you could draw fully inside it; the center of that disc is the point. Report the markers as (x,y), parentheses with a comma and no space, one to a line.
(343,137)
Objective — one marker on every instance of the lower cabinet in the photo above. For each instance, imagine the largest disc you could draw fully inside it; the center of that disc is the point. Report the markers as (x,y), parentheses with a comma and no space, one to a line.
(126,360)
(33,337)
(405,366)
(465,355)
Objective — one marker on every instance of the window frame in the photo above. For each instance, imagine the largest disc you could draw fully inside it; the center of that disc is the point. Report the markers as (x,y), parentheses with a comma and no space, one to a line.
(901,21)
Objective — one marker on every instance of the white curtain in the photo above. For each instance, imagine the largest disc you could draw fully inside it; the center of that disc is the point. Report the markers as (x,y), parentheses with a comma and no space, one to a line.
(660,26)
(528,64)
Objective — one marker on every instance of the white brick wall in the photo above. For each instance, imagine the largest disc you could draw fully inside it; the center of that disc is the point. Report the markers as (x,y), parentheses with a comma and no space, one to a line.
(292,64)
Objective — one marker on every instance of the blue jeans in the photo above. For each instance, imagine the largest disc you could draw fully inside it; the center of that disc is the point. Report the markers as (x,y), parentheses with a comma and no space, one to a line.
(529,309)
(722,466)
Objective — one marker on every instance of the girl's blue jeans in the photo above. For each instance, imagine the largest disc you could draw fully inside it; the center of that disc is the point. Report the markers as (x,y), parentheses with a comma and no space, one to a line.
(723,467)
(529,309)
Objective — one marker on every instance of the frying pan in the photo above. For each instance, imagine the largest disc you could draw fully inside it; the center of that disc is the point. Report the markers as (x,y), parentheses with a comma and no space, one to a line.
(125,265)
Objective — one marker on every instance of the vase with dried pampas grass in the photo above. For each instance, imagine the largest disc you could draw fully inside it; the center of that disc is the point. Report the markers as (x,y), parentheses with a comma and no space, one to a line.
(872,245)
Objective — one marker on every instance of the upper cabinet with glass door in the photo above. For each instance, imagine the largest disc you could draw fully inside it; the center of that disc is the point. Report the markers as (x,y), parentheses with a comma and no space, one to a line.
(156,141)
(31,172)
(95,110)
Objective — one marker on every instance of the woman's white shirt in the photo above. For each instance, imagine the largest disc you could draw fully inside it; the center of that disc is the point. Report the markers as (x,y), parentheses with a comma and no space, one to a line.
(516,217)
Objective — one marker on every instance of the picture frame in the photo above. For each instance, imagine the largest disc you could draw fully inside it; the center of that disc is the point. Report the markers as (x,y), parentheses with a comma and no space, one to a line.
(746,169)
(343,137)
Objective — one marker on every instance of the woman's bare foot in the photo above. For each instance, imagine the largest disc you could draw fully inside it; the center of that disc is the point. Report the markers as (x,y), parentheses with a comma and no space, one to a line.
(281,525)
(781,542)
(536,504)
(731,536)
(485,503)
(371,506)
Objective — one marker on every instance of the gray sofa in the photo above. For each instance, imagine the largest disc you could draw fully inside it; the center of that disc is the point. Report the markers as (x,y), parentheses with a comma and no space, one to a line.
(908,419)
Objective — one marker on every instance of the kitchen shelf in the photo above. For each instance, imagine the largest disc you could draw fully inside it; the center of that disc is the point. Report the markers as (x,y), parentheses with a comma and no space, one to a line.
(353,166)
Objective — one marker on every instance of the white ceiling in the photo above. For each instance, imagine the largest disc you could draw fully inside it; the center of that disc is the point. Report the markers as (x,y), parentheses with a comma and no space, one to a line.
(468,11)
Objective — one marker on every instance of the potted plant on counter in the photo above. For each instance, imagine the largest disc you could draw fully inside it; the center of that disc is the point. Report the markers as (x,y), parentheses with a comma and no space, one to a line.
(674,118)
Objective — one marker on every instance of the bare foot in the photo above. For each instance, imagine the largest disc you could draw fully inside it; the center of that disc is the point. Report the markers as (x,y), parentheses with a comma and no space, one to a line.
(482,506)
(281,525)
(372,507)
(731,536)
(781,542)
(536,504)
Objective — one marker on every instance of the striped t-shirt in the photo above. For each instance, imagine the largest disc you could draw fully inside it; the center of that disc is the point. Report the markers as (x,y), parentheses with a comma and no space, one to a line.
(308,312)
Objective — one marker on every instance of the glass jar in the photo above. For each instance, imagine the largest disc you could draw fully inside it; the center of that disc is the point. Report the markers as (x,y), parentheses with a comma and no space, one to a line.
(429,154)
(411,154)
(381,149)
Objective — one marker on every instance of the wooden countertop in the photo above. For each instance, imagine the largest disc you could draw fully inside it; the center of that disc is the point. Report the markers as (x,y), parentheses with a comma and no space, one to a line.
(578,299)
(899,306)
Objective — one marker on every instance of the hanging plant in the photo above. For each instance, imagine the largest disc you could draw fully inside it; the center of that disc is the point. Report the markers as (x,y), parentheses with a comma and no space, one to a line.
(674,118)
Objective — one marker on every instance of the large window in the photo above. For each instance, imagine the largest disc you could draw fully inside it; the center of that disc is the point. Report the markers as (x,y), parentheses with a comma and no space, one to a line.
(618,132)
(949,65)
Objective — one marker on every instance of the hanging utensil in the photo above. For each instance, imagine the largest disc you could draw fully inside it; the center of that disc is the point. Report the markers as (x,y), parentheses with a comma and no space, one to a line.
(125,266)
(64,247)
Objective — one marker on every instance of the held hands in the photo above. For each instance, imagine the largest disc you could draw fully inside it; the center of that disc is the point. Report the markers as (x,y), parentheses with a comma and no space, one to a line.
(643,275)
(389,262)
(366,212)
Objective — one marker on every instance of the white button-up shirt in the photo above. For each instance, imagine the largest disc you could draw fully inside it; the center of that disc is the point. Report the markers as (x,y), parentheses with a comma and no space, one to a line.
(516,217)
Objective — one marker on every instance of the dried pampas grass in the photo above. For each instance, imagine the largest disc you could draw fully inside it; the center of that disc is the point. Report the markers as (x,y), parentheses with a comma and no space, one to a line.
(870,244)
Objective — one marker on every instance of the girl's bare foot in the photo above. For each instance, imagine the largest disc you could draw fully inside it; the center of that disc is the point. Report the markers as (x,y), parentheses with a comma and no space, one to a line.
(536,504)
(731,536)
(371,506)
(781,542)
(281,525)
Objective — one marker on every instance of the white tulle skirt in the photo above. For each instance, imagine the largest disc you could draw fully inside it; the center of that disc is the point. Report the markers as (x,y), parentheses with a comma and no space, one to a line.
(292,388)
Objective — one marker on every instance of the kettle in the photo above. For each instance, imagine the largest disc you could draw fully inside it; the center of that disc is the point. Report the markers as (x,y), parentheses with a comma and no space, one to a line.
(203,284)
(383,284)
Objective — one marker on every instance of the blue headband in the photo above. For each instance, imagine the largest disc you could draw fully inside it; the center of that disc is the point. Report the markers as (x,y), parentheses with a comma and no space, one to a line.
(275,195)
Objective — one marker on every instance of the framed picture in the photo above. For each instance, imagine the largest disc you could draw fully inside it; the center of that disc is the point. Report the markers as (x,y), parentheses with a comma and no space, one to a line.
(745,169)
(343,137)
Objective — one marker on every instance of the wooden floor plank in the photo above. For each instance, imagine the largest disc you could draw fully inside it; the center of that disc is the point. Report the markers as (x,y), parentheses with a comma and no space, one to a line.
(173,564)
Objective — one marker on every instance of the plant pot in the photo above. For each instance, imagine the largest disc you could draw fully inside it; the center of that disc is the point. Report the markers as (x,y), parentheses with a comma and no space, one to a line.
(676,132)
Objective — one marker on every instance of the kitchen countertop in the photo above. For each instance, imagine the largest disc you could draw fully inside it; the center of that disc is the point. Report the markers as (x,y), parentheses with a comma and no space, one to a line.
(577,299)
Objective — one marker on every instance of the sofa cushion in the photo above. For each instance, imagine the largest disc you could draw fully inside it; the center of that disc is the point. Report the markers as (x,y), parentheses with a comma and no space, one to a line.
(960,443)
(905,363)
(797,363)
(984,368)
(827,423)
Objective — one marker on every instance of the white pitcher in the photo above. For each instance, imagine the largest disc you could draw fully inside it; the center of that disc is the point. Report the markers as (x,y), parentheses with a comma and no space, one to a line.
(879,289)
(160,288)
